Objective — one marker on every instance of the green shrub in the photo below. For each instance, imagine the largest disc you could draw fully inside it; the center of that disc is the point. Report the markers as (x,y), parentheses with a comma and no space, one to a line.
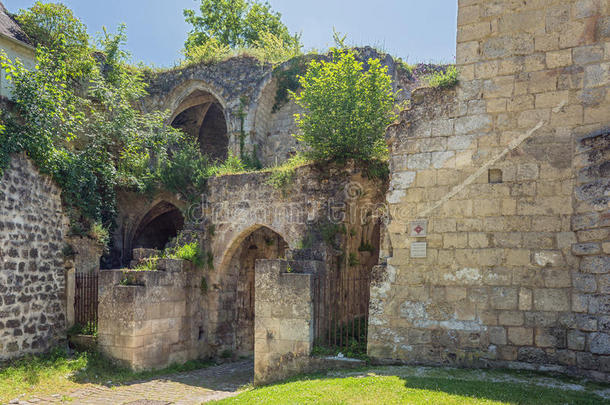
(347,109)
(443,79)
(148,264)
(232,165)
(192,253)
(282,176)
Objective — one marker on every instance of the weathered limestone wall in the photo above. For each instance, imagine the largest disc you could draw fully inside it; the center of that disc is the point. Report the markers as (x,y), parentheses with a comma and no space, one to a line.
(152,319)
(273,129)
(284,324)
(497,169)
(245,218)
(32,228)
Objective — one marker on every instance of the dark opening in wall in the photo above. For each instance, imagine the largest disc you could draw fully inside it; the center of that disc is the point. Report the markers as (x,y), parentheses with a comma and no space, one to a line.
(202,117)
(495,176)
(263,243)
(158,227)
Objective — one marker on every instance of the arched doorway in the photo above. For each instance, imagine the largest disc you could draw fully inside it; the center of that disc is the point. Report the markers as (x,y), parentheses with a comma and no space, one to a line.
(162,223)
(201,116)
(262,243)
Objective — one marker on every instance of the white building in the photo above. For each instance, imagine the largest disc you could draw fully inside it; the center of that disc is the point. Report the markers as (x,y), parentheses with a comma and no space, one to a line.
(16,44)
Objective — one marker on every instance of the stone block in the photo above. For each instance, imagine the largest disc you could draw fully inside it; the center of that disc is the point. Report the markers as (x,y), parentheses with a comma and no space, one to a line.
(520,336)
(595,264)
(511,318)
(560,58)
(600,343)
(504,298)
(548,299)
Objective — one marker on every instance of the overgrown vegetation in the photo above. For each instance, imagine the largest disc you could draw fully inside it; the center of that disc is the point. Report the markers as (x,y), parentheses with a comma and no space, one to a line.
(230,27)
(283,176)
(191,252)
(288,80)
(59,371)
(347,108)
(444,78)
(75,118)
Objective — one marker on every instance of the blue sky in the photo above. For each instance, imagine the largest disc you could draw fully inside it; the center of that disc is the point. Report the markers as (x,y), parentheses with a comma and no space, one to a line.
(418,31)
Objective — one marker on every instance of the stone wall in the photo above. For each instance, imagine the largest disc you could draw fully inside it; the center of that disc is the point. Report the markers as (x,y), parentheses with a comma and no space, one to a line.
(152,319)
(32,285)
(497,170)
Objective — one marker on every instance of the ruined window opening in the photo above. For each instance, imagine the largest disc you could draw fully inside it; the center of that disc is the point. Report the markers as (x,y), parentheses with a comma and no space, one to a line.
(495,176)
(203,119)
(162,223)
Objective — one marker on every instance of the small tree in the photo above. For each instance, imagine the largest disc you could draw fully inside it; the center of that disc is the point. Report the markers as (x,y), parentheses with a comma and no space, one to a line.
(347,108)
(234,23)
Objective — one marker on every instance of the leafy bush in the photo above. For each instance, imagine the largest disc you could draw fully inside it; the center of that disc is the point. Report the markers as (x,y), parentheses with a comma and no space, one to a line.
(208,52)
(192,253)
(347,108)
(232,165)
(186,171)
(443,79)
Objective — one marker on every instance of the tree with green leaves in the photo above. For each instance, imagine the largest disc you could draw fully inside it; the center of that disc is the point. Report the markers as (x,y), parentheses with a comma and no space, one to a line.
(235,24)
(54,27)
(82,127)
(347,108)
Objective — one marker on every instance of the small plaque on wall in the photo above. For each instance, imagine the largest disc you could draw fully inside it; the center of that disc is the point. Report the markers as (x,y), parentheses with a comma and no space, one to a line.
(419,249)
(418,229)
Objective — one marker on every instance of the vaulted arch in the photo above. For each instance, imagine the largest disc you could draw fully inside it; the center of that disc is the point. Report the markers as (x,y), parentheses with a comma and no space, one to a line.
(202,116)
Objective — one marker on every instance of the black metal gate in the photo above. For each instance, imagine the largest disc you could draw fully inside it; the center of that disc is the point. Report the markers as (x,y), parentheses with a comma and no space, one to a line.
(341,312)
(85,302)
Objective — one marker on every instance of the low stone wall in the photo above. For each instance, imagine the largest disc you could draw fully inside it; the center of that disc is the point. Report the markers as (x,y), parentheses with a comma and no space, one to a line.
(152,319)
(32,282)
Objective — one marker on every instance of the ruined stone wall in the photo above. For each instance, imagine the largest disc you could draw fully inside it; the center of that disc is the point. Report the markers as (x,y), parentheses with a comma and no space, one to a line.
(153,319)
(32,228)
(245,89)
(240,206)
(274,129)
(514,271)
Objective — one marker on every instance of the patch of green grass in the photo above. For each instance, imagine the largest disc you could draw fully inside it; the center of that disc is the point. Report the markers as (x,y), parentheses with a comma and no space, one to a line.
(283,176)
(372,388)
(148,264)
(58,372)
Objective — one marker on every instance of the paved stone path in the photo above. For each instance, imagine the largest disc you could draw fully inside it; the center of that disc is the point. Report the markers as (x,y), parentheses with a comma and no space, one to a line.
(188,388)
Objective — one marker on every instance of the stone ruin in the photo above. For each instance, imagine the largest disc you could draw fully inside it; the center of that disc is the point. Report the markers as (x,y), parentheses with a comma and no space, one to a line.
(491,240)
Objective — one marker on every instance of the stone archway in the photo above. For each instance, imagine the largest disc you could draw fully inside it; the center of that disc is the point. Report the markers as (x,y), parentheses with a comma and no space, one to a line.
(238,297)
(201,116)
(162,223)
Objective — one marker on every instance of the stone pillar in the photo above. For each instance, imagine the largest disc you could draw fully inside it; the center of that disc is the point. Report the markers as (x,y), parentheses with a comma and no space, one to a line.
(70,293)
(283,325)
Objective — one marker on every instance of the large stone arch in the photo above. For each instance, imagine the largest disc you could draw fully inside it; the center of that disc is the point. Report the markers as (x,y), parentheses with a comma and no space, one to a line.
(234,330)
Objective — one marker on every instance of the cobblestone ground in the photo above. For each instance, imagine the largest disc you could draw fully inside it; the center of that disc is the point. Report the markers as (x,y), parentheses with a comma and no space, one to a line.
(193,387)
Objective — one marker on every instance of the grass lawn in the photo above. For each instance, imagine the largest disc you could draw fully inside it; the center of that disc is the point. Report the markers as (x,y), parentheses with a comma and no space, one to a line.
(420,385)
(59,372)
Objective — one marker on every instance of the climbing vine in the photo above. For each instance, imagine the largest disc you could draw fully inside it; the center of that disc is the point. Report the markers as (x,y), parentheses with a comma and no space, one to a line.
(287,77)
